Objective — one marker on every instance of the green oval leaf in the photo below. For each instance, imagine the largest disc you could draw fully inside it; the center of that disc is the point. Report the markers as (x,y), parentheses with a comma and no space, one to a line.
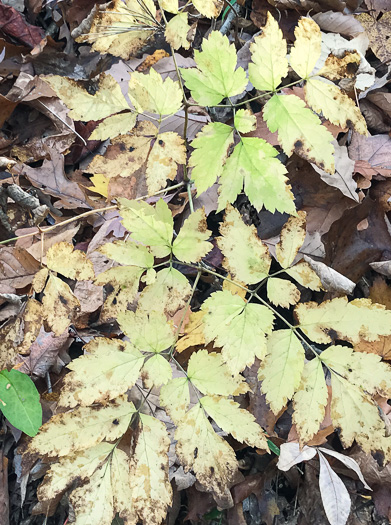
(19,401)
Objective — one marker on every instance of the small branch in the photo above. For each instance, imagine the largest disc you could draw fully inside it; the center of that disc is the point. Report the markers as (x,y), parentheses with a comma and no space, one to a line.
(87,214)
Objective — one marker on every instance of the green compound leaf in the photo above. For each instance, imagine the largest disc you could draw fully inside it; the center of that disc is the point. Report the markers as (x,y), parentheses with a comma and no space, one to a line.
(149,225)
(210,152)
(300,130)
(19,401)
(253,164)
(215,77)
(268,54)
(245,121)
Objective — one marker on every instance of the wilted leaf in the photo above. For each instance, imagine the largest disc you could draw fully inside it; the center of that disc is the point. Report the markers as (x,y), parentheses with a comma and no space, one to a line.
(120,29)
(60,305)
(149,484)
(177,31)
(108,369)
(107,100)
(200,449)
(306,51)
(82,428)
(339,319)
(335,497)
(291,454)
(144,156)
(282,292)
(246,257)
(63,259)
(291,239)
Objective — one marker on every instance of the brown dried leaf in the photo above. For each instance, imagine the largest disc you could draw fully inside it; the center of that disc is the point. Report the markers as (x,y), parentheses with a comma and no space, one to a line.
(51,179)
(17,268)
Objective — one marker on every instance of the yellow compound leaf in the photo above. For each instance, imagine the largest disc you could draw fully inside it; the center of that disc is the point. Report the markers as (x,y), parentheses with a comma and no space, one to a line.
(246,257)
(129,253)
(107,100)
(121,472)
(169,5)
(106,493)
(40,279)
(282,293)
(291,239)
(177,30)
(150,93)
(169,292)
(356,415)
(281,369)
(306,50)
(268,54)
(59,305)
(338,108)
(83,428)
(235,421)
(210,375)
(300,130)
(238,327)
(80,466)
(156,371)
(149,484)
(210,153)
(175,398)
(94,500)
(201,450)
(124,282)
(143,156)
(245,121)
(209,8)
(109,368)
(310,401)
(113,126)
(339,319)
(193,332)
(305,275)
(121,28)
(148,331)
(191,243)
(149,225)
(63,259)
(366,371)
(216,76)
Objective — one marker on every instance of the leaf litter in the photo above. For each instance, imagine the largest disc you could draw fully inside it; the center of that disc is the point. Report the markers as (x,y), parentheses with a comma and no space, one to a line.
(205,274)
